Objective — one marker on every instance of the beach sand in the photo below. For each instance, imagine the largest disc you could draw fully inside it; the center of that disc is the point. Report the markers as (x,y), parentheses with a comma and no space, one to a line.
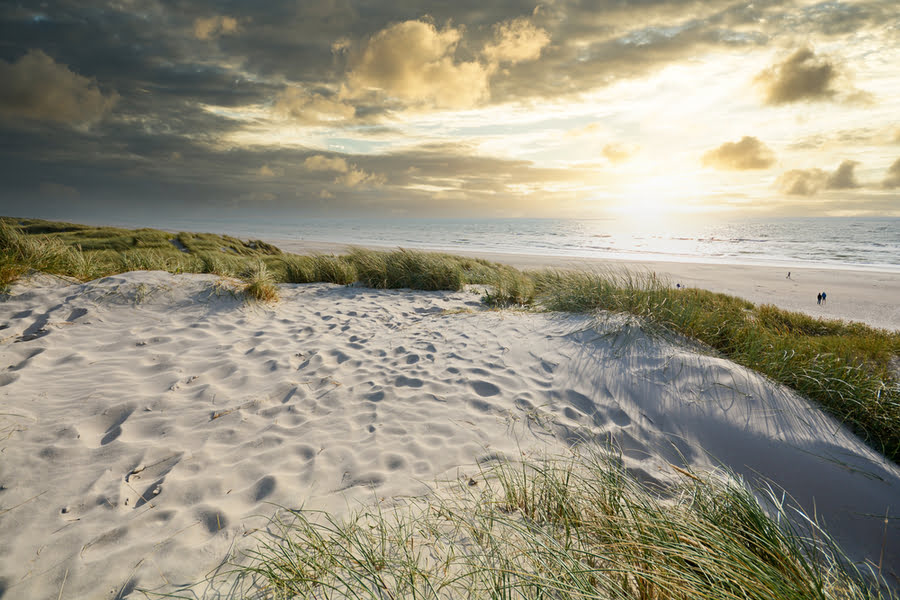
(867,296)
(150,422)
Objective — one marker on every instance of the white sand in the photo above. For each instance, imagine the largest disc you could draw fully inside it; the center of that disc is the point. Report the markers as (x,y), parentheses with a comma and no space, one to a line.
(867,296)
(147,419)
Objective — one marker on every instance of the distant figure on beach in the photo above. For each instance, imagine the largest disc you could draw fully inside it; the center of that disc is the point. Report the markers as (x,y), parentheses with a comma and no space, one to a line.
(819,298)
(823,297)
(678,286)
(788,275)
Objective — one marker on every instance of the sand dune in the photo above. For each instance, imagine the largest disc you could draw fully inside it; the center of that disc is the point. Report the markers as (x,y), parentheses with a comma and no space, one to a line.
(149,422)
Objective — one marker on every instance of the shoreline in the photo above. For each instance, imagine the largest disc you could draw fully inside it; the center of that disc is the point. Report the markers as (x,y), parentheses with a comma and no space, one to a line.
(555,256)
(866,296)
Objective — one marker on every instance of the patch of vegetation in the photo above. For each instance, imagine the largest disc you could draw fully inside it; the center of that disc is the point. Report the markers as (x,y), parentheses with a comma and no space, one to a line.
(579,528)
(408,269)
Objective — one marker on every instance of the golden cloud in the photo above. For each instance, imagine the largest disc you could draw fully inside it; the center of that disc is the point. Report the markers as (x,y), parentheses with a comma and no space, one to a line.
(325,163)
(38,87)
(808,182)
(515,41)
(802,182)
(414,62)
(212,27)
(312,108)
(350,175)
(748,153)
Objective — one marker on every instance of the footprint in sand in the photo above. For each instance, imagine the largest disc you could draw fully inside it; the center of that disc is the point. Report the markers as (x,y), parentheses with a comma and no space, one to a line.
(264,488)
(212,519)
(485,388)
(413,382)
(144,482)
(105,427)
(24,362)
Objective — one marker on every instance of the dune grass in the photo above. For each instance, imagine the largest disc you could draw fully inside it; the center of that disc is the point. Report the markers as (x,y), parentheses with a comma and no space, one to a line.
(260,283)
(844,367)
(571,528)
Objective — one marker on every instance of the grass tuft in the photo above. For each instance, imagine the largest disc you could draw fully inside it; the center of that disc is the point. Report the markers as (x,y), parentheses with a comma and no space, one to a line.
(573,528)
(260,284)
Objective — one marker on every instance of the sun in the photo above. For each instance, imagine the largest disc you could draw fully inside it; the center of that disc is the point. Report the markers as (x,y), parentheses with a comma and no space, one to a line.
(655,197)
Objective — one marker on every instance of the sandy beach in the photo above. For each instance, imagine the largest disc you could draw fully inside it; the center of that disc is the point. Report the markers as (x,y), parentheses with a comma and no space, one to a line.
(150,423)
(867,296)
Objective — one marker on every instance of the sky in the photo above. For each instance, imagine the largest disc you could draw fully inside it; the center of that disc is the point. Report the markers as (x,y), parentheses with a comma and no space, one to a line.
(510,108)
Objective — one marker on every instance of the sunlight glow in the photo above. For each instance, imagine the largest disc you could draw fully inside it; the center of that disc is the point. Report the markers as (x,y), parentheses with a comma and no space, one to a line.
(657,196)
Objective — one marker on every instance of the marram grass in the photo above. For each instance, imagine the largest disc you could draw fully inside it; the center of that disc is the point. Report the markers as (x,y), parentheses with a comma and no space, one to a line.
(576,528)
(260,284)
(845,368)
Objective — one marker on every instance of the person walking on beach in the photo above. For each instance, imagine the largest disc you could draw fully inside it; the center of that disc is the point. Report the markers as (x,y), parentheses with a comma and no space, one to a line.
(788,275)
(823,297)
(819,298)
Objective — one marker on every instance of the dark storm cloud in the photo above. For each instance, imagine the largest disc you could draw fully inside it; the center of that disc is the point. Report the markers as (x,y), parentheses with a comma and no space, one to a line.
(37,87)
(145,50)
(748,153)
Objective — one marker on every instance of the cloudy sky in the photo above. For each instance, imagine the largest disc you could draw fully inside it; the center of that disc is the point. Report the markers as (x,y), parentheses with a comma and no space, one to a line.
(467,108)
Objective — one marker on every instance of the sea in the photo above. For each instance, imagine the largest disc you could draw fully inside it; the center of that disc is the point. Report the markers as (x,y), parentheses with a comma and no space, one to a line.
(831,242)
